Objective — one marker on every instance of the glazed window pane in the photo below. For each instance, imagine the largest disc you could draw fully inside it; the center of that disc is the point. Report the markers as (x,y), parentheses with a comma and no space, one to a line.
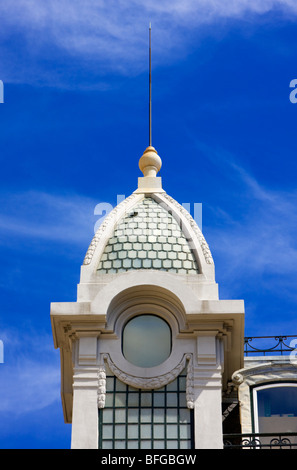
(146,341)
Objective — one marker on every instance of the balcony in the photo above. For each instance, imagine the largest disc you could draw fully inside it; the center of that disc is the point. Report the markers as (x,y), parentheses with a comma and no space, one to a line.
(270,345)
(252,441)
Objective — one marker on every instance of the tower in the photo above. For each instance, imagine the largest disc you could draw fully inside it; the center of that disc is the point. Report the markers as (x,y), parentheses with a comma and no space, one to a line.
(148,348)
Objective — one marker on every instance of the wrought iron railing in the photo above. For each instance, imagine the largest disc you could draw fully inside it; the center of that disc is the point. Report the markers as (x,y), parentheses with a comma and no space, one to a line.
(286,440)
(269,345)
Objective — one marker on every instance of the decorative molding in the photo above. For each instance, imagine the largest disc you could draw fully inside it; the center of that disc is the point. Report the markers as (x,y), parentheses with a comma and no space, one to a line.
(108,219)
(101,386)
(237,378)
(69,337)
(267,371)
(190,382)
(156,382)
(146,383)
(202,242)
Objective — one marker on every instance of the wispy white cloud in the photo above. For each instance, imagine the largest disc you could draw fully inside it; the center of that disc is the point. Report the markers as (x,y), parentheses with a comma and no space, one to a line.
(40,215)
(114,33)
(30,374)
(28,386)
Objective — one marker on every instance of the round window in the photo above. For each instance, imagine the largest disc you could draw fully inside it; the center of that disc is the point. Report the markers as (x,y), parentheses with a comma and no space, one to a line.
(146,341)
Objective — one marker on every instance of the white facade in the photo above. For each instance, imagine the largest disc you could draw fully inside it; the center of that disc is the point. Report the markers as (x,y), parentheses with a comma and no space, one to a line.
(171,278)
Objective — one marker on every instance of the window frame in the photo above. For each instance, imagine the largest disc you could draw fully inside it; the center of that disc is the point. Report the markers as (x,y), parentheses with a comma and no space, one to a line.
(254,397)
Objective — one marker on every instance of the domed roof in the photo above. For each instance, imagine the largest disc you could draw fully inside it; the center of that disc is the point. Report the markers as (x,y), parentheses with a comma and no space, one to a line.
(149,230)
(148,237)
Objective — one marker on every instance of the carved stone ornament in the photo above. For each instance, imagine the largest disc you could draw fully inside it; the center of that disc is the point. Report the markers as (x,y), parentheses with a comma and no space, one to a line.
(69,337)
(151,382)
(101,386)
(272,371)
(237,378)
(190,382)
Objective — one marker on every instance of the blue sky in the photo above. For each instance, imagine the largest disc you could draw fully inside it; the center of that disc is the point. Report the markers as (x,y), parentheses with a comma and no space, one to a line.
(74,124)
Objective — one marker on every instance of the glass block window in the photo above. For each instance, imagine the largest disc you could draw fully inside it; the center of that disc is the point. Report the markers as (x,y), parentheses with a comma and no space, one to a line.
(146,419)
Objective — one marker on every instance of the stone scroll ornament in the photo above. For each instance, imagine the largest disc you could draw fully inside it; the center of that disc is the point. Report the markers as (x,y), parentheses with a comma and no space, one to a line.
(147,383)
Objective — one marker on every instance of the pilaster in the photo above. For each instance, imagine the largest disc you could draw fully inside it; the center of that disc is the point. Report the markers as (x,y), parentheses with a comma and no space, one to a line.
(208,391)
(86,381)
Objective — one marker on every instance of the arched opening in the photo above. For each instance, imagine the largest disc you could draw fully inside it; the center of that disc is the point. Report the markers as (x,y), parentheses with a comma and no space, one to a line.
(144,299)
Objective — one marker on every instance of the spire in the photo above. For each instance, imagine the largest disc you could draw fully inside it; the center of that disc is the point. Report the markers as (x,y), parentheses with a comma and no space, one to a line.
(150,162)
(150,85)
